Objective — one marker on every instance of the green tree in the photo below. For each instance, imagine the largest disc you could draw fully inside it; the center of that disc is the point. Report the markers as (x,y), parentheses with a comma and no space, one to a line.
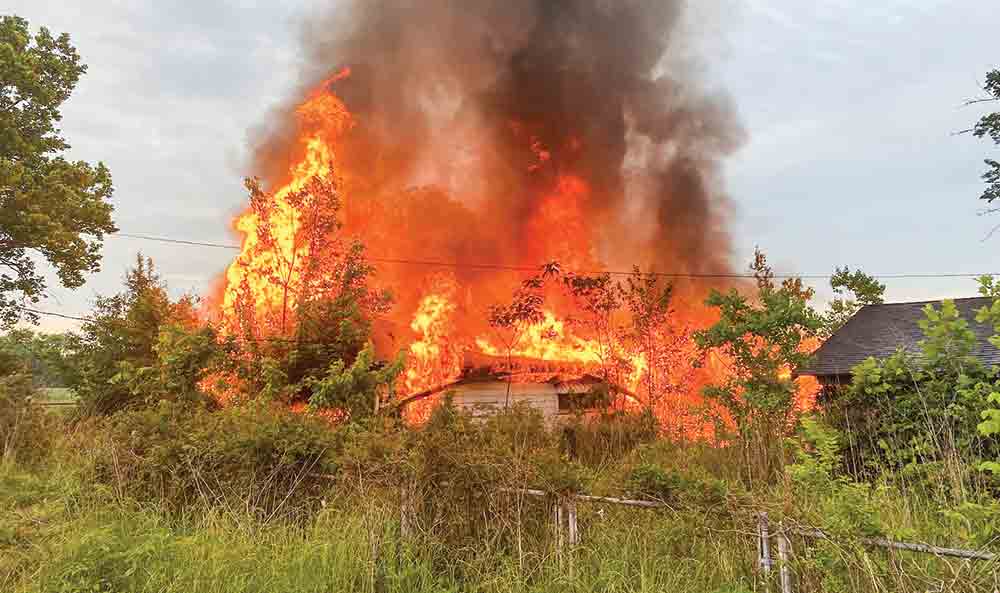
(359,390)
(43,356)
(327,303)
(123,332)
(853,290)
(990,425)
(989,126)
(761,340)
(50,208)
(185,357)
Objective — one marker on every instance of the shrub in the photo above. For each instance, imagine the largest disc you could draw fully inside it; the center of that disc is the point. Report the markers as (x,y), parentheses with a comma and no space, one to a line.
(824,496)
(262,459)
(674,487)
(917,415)
(24,428)
(122,334)
(608,437)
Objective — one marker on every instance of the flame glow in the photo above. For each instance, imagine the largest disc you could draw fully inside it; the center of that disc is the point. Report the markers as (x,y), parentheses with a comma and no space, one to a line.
(433,361)
(559,225)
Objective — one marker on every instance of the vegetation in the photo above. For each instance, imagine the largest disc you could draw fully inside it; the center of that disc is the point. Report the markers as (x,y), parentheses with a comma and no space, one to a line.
(49,206)
(123,334)
(153,485)
(264,452)
(761,342)
(989,127)
(852,291)
(254,498)
(43,356)
(313,347)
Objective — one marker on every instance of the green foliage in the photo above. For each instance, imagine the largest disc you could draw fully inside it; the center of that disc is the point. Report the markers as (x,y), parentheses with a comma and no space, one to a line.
(990,425)
(43,356)
(49,206)
(760,340)
(608,437)
(123,335)
(845,507)
(258,458)
(358,389)
(989,126)
(918,413)
(456,461)
(990,287)
(948,342)
(863,290)
(821,454)
(313,345)
(692,488)
(24,429)
(184,358)
(453,483)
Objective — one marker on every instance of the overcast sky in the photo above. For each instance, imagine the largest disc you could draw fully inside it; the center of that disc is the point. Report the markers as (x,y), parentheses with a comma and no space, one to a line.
(851,109)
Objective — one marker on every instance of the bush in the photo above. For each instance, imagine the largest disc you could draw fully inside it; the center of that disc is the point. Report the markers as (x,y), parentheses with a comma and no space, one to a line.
(824,496)
(609,437)
(674,487)
(25,434)
(916,415)
(268,461)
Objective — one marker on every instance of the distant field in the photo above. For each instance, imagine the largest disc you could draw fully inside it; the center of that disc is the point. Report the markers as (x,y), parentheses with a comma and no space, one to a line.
(58,394)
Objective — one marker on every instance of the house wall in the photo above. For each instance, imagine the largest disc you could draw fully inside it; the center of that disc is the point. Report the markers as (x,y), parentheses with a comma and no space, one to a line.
(491,396)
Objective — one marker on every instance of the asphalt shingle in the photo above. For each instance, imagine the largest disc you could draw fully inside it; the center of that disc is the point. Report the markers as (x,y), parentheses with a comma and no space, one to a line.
(879,330)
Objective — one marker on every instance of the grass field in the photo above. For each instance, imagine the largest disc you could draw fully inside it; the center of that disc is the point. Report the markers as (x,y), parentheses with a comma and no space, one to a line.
(57,395)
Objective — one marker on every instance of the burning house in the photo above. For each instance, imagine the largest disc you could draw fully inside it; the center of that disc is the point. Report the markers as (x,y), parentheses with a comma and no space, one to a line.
(466,144)
(489,384)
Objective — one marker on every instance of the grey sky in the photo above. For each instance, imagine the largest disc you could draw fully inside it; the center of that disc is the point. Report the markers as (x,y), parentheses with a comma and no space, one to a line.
(850,107)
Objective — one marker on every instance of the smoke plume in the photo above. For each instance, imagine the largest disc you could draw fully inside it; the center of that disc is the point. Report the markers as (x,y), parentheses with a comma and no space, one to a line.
(517,132)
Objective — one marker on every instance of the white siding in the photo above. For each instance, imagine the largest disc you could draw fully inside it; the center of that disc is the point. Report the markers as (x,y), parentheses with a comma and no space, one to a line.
(490,396)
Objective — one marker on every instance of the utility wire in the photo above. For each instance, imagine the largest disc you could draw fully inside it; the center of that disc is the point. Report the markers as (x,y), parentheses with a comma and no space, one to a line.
(502,267)
(51,314)
(243,338)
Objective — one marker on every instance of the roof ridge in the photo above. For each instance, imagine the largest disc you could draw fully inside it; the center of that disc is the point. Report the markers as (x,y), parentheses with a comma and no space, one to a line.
(953,299)
(879,330)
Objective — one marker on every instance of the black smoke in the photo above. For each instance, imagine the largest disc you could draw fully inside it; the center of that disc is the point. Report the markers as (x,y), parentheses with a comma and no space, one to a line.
(455,95)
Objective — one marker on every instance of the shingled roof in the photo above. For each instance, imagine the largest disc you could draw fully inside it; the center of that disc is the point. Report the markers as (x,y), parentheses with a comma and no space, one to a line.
(879,330)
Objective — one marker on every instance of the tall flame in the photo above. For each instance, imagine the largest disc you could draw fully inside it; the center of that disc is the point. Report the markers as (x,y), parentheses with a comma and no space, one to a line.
(252,272)
(433,358)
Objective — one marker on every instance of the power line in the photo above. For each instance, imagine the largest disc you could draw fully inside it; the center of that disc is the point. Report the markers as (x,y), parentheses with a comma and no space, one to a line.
(178,241)
(242,338)
(509,268)
(51,314)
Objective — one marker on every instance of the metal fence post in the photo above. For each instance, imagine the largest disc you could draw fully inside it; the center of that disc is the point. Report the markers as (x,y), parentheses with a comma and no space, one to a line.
(557,516)
(784,556)
(764,545)
(574,532)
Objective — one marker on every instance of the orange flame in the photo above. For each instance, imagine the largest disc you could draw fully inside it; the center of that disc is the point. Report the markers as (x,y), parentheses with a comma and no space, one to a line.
(253,271)
(559,226)
(433,360)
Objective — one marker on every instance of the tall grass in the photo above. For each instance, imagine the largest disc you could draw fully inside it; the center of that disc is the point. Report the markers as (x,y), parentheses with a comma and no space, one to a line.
(65,528)
(56,538)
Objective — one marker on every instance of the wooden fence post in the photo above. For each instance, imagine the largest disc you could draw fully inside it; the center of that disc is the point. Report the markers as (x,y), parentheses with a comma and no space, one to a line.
(784,555)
